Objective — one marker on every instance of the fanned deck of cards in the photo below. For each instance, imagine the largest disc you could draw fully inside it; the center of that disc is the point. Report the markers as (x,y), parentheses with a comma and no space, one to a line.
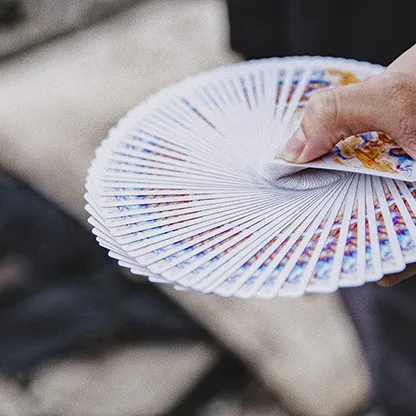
(187,188)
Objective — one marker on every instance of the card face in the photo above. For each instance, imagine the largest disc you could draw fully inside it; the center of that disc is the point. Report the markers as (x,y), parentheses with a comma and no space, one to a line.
(391,256)
(326,274)
(374,270)
(353,262)
(372,153)
(402,222)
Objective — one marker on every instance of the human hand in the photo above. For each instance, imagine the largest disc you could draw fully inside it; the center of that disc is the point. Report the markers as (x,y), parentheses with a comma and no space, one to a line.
(386,102)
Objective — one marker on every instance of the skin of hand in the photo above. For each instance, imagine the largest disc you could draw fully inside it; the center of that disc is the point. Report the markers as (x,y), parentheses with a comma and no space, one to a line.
(386,102)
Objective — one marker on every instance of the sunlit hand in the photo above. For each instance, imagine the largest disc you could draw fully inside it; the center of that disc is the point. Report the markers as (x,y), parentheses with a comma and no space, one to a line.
(386,102)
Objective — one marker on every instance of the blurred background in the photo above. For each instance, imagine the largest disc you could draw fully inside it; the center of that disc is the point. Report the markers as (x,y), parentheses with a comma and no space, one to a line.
(78,335)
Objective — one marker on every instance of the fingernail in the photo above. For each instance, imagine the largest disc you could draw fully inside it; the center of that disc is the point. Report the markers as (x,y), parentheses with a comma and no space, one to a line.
(294,147)
(389,281)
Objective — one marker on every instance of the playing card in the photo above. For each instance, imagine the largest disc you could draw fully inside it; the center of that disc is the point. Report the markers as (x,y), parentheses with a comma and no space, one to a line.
(391,256)
(373,153)
(402,222)
(374,270)
(327,271)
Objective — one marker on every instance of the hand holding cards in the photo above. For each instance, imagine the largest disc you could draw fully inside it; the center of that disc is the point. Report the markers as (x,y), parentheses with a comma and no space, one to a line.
(187,190)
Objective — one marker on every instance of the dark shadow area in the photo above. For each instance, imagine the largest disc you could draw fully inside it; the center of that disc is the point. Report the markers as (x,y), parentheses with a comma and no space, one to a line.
(60,293)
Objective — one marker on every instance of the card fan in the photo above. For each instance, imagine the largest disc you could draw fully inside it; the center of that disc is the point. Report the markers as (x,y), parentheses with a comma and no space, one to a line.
(188,189)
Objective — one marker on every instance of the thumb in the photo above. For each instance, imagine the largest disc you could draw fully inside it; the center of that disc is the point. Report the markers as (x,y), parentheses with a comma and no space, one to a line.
(384,103)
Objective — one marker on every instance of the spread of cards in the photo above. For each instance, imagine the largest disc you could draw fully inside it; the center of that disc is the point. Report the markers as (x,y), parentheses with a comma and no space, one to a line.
(187,188)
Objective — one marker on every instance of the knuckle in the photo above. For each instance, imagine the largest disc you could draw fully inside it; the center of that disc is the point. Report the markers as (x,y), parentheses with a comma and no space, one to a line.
(400,85)
(401,89)
(324,107)
(408,137)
